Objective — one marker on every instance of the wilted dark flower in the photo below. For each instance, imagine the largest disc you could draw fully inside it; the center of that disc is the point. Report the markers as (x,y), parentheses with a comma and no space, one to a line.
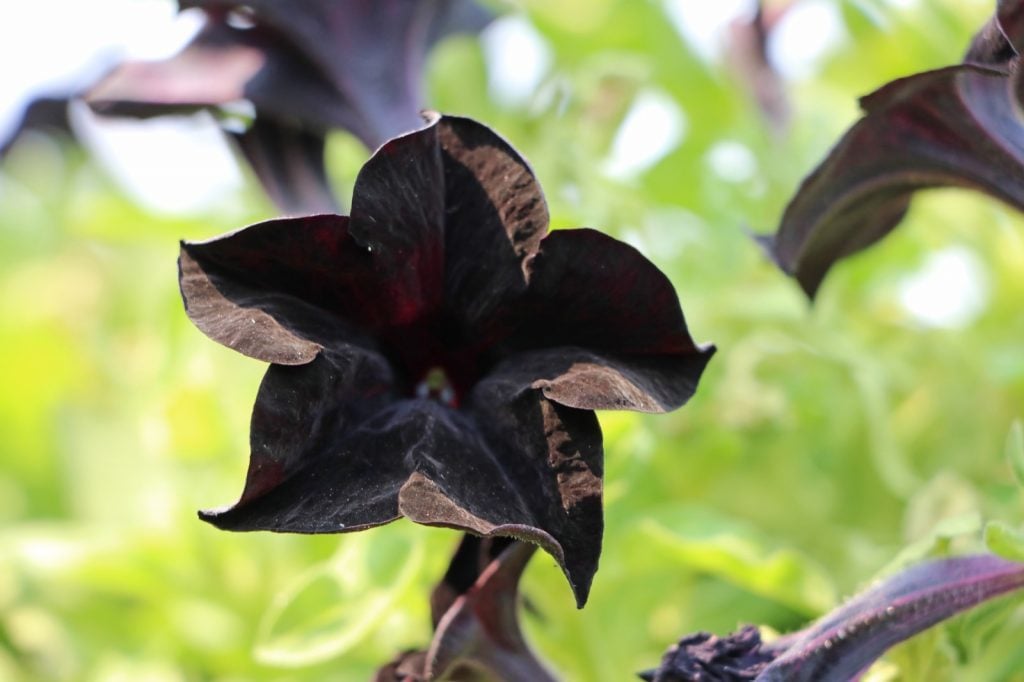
(703,657)
(959,126)
(436,355)
(844,643)
(476,623)
(307,66)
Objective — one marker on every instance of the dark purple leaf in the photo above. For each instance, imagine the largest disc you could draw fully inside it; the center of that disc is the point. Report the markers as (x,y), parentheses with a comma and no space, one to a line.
(844,643)
(953,127)
(852,637)
(436,356)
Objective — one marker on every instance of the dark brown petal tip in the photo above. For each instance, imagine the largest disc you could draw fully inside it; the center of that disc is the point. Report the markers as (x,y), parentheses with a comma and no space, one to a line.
(239,321)
(496,217)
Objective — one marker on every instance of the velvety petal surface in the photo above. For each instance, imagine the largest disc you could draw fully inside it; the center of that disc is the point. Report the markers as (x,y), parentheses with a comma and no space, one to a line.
(278,289)
(437,354)
(955,127)
(554,455)
(398,216)
(334,450)
(600,327)
(326,452)
(495,218)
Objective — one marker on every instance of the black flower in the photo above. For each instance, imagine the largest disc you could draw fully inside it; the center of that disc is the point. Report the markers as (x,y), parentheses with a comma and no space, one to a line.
(959,126)
(435,355)
(307,66)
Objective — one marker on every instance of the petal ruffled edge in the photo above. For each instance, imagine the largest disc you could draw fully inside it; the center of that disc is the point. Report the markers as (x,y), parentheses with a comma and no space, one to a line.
(601,327)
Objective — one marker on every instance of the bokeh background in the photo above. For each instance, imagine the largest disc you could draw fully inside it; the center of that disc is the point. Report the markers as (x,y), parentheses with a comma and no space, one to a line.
(826,446)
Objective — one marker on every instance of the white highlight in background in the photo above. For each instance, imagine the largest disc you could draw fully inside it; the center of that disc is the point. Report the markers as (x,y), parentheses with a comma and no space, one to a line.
(805,35)
(56,47)
(703,23)
(170,164)
(731,161)
(517,58)
(949,291)
(653,127)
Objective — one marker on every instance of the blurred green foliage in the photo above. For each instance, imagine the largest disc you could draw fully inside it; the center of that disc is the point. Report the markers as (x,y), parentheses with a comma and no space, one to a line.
(827,444)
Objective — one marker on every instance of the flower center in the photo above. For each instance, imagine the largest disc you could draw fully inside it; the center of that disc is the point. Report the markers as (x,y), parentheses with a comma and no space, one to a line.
(436,386)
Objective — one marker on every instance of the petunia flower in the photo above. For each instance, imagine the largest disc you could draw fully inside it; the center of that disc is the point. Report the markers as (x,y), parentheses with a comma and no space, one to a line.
(437,355)
(844,643)
(307,66)
(476,623)
(959,126)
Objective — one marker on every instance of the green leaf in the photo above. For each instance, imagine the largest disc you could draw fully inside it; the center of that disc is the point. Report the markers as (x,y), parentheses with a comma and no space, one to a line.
(1015,450)
(936,542)
(338,604)
(728,550)
(1004,540)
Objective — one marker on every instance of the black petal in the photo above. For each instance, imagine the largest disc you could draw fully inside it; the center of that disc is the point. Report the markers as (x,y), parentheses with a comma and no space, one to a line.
(495,218)
(603,328)
(333,450)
